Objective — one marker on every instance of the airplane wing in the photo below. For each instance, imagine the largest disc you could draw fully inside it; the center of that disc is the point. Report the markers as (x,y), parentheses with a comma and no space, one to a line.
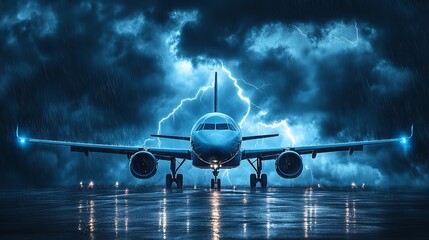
(266,154)
(160,153)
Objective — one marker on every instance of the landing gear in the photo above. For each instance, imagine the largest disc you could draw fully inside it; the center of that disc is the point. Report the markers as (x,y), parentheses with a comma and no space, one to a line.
(173,177)
(258,177)
(253,180)
(168,180)
(215,183)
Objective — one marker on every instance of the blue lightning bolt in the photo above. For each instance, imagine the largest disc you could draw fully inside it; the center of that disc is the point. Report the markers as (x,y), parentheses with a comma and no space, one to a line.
(226,172)
(240,95)
(283,124)
(300,31)
(339,38)
(347,40)
(201,91)
(253,86)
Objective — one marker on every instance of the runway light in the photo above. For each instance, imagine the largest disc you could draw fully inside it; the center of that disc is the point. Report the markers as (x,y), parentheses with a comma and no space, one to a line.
(91,184)
(116,184)
(353,185)
(363,185)
(81,184)
(126,191)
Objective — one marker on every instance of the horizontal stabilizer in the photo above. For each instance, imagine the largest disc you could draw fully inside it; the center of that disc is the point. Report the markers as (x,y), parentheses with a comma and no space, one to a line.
(172,137)
(259,136)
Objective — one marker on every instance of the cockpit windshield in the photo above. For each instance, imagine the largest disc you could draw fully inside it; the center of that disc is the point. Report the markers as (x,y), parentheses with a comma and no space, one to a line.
(209,126)
(222,126)
(218,126)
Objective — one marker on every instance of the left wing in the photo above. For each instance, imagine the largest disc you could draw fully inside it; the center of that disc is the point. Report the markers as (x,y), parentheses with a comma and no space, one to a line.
(272,153)
(160,153)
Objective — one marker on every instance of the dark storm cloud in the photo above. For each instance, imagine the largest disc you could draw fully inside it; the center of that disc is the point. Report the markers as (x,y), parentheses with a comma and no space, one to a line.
(103,68)
(67,69)
(375,93)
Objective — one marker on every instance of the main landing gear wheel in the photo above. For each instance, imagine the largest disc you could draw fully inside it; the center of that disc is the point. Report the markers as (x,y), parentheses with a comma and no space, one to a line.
(253,180)
(179,181)
(168,180)
(173,177)
(264,181)
(258,177)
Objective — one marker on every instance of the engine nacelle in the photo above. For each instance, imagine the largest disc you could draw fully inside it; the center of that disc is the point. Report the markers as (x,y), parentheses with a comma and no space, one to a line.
(289,164)
(143,165)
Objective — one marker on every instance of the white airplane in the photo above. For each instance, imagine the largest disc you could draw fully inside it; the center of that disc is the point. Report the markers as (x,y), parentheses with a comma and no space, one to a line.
(215,144)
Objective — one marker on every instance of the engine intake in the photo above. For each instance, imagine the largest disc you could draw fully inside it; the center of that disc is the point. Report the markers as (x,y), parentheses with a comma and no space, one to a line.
(143,165)
(289,164)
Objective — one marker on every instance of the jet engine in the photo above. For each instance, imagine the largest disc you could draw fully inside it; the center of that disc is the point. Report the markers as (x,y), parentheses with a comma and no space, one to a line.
(289,164)
(143,165)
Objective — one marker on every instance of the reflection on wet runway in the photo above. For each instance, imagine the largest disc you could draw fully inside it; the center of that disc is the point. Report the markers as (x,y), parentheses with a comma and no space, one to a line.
(204,213)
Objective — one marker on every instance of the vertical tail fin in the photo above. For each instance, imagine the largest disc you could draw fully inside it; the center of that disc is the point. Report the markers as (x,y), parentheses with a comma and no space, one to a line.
(215,93)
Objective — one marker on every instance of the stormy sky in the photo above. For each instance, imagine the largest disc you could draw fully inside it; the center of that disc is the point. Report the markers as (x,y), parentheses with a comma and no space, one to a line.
(313,71)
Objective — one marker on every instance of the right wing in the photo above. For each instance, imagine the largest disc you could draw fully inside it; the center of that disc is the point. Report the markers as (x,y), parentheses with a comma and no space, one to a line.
(159,153)
(266,154)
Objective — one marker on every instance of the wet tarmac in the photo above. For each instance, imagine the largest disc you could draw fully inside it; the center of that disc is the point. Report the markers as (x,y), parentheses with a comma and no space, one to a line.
(201,213)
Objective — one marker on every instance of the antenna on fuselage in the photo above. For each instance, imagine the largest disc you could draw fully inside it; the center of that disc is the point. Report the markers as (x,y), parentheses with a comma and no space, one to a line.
(215,93)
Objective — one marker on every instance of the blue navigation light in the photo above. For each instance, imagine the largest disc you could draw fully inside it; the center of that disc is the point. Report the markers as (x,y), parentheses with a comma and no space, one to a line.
(22,140)
(403,140)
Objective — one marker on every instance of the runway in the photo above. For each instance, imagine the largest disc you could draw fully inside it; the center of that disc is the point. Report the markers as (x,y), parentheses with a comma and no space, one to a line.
(201,213)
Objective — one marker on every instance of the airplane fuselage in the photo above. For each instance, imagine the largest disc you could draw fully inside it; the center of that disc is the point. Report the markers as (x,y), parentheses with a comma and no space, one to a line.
(216,142)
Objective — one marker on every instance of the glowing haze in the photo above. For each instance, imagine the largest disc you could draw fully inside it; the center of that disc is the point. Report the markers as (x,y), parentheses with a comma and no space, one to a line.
(116,72)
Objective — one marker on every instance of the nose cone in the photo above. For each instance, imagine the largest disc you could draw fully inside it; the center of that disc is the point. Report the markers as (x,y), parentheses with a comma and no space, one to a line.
(216,145)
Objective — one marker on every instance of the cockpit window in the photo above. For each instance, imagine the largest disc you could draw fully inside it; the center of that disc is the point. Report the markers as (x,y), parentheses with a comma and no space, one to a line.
(221,126)
(231,127)
(200,127)
(209,126)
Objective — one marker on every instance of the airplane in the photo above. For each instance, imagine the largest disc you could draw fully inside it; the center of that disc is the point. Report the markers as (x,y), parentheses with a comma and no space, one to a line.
(215,143)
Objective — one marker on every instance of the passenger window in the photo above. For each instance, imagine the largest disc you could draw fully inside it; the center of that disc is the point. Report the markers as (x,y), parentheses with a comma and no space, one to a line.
(209,126)
(222,126)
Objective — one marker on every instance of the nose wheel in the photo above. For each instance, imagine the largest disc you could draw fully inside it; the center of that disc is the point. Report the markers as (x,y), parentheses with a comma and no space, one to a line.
(258,177)
(173,177)
(215,182)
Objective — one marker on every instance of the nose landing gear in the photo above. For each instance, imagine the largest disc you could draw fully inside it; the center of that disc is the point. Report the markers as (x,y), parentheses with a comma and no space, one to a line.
(258,177)
(173,177)
(215,183)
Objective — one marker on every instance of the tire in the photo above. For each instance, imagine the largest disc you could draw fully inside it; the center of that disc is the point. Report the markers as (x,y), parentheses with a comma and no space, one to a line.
(179,181)
(252,180)
(168,180)
(264,181)
(218,184)
(212,183)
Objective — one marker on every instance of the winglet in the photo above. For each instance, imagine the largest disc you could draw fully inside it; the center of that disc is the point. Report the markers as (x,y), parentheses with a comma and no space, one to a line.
(20,139)
(412,131)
